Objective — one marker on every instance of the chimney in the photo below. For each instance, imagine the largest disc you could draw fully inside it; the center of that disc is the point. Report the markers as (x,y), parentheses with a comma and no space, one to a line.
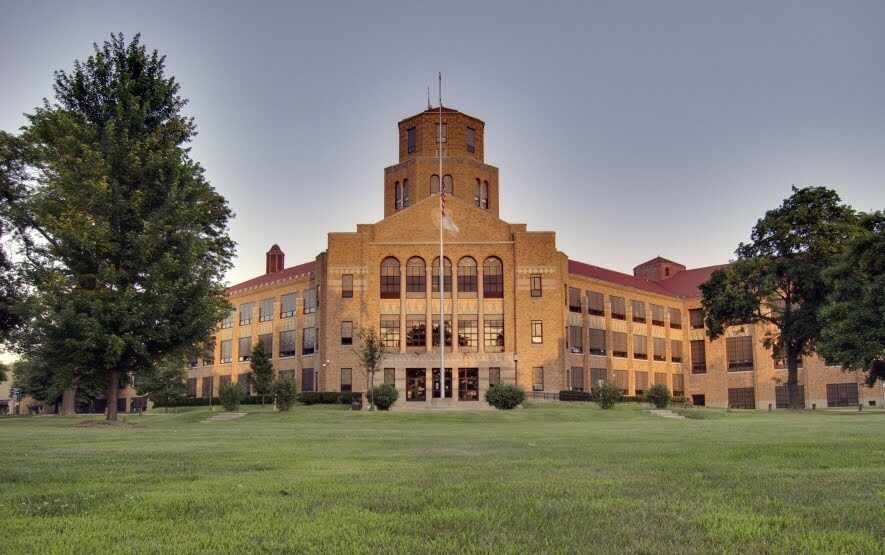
(275,260)
(658,269)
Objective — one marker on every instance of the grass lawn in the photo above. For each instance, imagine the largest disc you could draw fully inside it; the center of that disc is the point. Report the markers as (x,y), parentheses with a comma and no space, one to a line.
(547,478)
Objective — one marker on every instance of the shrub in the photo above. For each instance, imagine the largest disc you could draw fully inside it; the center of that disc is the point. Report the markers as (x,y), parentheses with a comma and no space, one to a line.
(505,396)
(383,395)
(230,395)
(658,395)
(319,397)
(284,392)
(572,395)
(347,397)
(606,395)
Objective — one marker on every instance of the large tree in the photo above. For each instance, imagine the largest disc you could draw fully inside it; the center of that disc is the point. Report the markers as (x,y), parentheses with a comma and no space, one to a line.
(778,278)
(130,242)
(854,319)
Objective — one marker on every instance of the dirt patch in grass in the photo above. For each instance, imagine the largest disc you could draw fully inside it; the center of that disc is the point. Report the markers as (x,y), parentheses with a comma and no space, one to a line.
(104,424)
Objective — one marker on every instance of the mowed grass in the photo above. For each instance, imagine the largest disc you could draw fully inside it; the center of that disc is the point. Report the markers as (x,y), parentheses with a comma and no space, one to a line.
(547,478)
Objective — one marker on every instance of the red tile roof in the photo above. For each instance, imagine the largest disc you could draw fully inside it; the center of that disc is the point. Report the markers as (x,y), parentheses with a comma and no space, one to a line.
(444,110)
(266,279)
(611,276)
(685,283)
(658,260)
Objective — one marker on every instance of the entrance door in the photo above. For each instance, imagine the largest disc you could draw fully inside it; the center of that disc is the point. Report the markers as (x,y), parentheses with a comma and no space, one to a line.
(416,387)
(468,384)
(436,383)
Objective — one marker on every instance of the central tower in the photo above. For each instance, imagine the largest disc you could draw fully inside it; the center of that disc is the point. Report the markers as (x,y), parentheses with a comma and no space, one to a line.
(460,140)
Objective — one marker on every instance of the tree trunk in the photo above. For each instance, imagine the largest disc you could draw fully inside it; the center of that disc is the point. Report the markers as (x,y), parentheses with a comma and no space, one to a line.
(67,403)
(371,390)
(112,393)
(794,401)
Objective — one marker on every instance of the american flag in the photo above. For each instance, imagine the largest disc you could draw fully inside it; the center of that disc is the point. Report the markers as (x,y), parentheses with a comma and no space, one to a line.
(446,220)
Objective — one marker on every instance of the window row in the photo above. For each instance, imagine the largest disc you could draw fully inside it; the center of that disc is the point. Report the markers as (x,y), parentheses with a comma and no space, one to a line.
(618,308)
(287,305)
(416,277)
(468,332)
(286,342)
(598,376)
(442,136)
(480,192)
(574,343)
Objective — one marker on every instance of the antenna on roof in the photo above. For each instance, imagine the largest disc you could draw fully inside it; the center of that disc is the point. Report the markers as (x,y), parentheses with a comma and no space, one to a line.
(428,98)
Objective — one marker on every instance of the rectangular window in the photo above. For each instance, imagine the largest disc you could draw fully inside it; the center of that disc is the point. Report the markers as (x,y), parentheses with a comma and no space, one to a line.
(468,384)
(347,333)
(494,375)
(390,376)
(535,283)
(228,321)
(678,385)
(696,317)
(287,343)
(597,342)
(621,380)
(308,342)
(245,314)
(307,379)
(467,278)
(411,137)
(192,361)
(657,315)
(265,310)
(468,332)
(226,351)
(494,334)
(698,357)
(447,325)
(638,308)
(641,382)
(782,397)
(741,398)
(619,344)
(346,379)
(739,351)
(192,387)
(471,138)
(310,301)
(595,303)
(538,378)
(576,339)
(699,400)
(676,318)
(245,349)
(675,350)
(842,395)
(660,378)
(576,378)
(781,364)
(287,305)
(207,386)
(598,377)
(390,331)
(416,331)
(619,307)
(442,132)
(574,299)
(245,380)
(266,341)
(347,286)
(640,347)
(537,332)
(660,346)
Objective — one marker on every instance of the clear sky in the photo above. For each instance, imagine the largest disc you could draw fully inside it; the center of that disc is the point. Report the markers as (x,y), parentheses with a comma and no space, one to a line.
(631,129)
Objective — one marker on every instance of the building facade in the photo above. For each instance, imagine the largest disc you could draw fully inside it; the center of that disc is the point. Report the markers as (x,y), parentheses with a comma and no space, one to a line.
(517,310)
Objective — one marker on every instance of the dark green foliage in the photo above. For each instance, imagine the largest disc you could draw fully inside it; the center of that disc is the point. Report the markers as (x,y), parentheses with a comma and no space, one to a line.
(165,385)
(853,334)
(13,226)
(606,395)
(505,396)
(129,244)
(370,353)
(570,395)
(778,277)
(285,392)
(385,395)
(262,375)
(658,395)
(327,397)
(231,395)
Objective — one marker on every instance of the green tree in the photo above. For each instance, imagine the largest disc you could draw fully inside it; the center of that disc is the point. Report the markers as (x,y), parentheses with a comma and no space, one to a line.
(778,277)
(370,354)
(285,392)
(12,226)
(854,318)
(165,384)
(129,242)
(262,375)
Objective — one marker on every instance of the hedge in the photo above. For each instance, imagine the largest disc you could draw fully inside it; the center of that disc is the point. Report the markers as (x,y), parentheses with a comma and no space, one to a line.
(327,397)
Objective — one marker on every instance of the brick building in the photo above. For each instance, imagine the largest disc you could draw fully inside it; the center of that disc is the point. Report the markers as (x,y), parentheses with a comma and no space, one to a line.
(520,309)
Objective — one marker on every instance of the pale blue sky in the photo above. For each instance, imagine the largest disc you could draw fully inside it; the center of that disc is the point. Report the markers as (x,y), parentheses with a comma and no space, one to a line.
(631,129)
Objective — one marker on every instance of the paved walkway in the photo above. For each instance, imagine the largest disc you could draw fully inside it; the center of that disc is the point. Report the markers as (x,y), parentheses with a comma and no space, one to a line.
(664,413)
(225,416)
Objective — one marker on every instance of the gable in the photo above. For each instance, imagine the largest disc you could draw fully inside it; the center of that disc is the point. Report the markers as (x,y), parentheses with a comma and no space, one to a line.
(420,223)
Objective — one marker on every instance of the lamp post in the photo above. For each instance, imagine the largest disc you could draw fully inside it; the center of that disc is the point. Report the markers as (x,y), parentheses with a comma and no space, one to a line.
(516,369)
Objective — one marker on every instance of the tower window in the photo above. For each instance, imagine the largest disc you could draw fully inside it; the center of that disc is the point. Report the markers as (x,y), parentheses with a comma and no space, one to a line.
(477,192)
(441,132)
(471,137)
(448,184)
(405,193)
(398,194)
(412,139)
(484,196)
(434,184)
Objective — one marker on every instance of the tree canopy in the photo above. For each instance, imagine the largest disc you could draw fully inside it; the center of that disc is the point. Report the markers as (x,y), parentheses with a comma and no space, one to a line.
(778,277)
(262,374)
(370,353)
(129,242)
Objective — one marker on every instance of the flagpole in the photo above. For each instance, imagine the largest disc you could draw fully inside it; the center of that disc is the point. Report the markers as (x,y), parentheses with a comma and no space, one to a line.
(442,265)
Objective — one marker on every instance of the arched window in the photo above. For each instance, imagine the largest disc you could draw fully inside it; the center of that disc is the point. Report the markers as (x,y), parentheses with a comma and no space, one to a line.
(434,184)
(447,266)
(467,275)
(493,278)
(484,196)
(476,193)
(448,184)
(416,276)
(405,193)
(390,278)
(398,203)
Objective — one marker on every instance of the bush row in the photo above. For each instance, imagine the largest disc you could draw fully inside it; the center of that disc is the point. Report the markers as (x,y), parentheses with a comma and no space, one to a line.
(328,397)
